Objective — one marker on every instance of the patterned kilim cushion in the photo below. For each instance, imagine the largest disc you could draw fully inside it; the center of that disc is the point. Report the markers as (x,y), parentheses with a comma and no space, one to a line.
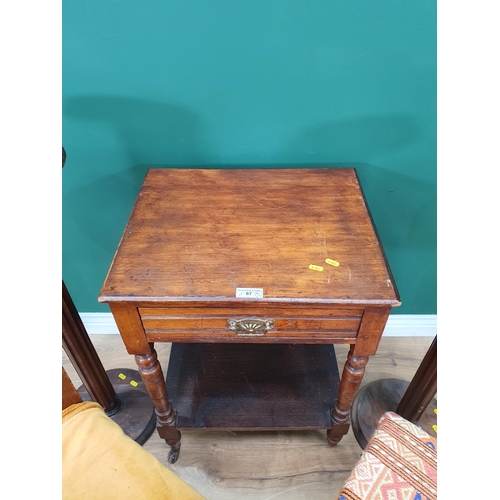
(400,462)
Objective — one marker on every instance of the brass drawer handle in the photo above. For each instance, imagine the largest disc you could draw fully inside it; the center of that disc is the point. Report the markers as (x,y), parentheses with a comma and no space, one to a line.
(250,327)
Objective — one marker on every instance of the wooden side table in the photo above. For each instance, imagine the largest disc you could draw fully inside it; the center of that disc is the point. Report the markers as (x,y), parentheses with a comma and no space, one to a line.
(253,275)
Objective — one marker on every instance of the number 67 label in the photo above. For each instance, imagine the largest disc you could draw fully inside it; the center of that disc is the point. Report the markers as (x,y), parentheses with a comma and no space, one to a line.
(250,293)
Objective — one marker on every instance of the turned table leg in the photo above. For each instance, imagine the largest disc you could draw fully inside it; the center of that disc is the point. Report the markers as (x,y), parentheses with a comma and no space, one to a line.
(352,375)
(154,382)
(369,334)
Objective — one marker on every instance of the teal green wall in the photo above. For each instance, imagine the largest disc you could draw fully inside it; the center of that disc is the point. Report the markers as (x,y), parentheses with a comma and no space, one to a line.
(249,83)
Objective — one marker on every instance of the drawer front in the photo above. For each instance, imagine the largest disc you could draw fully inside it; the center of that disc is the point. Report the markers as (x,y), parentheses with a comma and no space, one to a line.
(250,325)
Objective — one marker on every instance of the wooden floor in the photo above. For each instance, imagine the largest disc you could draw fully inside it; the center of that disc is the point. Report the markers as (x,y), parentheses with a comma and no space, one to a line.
(266,465)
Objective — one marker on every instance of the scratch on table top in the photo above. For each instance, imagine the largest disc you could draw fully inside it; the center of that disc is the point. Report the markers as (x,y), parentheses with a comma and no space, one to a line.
(249,384)
(189,274)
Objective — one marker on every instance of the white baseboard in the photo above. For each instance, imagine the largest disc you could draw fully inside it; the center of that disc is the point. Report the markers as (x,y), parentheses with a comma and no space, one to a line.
(411,325)
(398,325)
(99,323)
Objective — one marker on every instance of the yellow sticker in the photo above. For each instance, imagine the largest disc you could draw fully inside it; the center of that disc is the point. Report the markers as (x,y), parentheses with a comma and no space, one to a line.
(134,383)
(332,262)
(436,411)
(123,377)
(435,427)
(315,268)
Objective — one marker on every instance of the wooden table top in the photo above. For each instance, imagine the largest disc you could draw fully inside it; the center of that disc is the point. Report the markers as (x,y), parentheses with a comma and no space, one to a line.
(201,234)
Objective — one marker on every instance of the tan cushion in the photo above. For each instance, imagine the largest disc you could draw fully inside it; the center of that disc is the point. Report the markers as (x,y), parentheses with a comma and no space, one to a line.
(99,461)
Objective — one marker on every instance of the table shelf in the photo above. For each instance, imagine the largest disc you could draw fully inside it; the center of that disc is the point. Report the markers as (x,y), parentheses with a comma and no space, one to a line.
(252,386)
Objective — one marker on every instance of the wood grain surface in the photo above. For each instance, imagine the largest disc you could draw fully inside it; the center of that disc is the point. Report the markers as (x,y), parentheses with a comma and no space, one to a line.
(291,465)
(198,234)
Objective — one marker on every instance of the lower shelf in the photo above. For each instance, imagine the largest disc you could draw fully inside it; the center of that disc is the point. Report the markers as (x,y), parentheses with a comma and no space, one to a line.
(252,386)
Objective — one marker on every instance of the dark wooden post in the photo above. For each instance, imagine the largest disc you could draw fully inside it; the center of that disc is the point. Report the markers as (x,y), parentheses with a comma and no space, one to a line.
(422,388)
(128,406)
(83,356)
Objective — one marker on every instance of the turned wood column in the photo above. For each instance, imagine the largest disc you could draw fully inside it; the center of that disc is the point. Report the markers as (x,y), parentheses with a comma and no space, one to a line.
(352,375)
(82,354)
(154,382)
(369,335)
(422,388)
(127,405)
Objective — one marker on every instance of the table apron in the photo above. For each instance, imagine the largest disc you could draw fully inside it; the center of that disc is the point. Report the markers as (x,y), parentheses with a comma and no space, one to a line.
(213,336)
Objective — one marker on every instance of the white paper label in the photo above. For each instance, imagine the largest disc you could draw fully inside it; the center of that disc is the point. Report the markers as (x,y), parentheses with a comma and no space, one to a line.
(250,293)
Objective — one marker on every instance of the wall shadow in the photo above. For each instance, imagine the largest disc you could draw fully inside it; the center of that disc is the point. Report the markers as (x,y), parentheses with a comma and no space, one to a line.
(401,194)
(363,139)
(150,131)
(402,197)
(134,134)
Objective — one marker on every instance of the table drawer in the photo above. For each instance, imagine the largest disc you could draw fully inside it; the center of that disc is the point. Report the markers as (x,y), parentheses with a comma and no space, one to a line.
(250,324)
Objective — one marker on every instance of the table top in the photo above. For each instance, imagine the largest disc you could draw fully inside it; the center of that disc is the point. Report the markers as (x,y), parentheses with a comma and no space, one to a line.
(289,235)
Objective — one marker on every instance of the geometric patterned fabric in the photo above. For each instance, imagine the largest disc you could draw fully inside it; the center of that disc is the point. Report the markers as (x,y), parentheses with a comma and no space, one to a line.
(399,463)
